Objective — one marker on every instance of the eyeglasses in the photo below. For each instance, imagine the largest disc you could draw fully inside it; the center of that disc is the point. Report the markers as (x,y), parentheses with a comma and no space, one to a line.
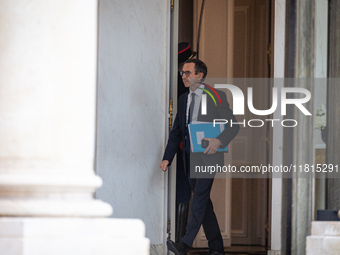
(187,73)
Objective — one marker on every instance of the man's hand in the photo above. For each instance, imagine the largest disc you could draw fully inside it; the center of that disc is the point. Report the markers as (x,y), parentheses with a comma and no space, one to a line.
(213,146)
(164,165)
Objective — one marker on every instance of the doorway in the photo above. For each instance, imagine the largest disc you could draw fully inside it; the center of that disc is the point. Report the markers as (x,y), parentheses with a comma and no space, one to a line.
(235,42)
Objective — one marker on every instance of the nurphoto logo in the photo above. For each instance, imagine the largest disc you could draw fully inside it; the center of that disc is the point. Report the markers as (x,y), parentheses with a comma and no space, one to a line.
(238,104)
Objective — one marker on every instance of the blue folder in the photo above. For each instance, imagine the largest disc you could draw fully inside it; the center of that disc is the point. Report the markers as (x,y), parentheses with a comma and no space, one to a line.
(200,130)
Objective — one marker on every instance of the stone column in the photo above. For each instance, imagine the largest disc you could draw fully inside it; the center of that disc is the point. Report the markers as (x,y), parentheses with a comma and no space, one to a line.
(48,62)
(324,238)
(47,109)
(298,142)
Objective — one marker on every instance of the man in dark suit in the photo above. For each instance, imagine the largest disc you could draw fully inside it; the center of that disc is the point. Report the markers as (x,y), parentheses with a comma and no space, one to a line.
(201,211)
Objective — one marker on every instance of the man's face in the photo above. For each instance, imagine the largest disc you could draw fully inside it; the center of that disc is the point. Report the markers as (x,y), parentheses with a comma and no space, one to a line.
(189,77)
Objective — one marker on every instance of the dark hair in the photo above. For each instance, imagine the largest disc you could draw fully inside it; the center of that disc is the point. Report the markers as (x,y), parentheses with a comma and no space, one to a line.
(200,67)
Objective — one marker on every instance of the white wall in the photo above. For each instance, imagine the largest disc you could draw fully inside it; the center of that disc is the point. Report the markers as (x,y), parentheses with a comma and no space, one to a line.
(132,110)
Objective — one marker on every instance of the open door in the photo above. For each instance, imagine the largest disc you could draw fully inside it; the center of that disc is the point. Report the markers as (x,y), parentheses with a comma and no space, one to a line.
(234,42)
(216,50)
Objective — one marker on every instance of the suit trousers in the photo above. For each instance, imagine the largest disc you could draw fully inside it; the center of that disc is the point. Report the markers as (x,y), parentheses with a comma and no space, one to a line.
(202,212)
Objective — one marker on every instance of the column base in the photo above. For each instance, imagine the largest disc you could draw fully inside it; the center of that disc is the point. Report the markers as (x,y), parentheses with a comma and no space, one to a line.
(72,236)
(325,238)
(54,208)
(51,196)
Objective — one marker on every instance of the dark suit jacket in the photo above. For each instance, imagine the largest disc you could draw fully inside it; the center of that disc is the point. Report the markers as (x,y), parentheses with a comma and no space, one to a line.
(178,131)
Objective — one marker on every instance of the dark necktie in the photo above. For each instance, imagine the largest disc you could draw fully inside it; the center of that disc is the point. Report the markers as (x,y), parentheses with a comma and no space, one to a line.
(191,111)
(191,108)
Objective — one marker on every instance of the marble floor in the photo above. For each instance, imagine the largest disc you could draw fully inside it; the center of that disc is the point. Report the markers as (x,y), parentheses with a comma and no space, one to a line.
(226,253)
(235,250)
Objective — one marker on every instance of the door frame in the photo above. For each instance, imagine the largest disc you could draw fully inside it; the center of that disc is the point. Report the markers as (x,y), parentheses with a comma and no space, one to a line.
(278,31)
(170,180)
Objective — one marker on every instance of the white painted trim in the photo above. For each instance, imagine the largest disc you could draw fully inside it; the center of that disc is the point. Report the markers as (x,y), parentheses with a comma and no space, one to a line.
(279,62)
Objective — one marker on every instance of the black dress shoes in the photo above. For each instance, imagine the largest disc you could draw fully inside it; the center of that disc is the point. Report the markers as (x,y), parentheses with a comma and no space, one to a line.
(177,248)
(211,252)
